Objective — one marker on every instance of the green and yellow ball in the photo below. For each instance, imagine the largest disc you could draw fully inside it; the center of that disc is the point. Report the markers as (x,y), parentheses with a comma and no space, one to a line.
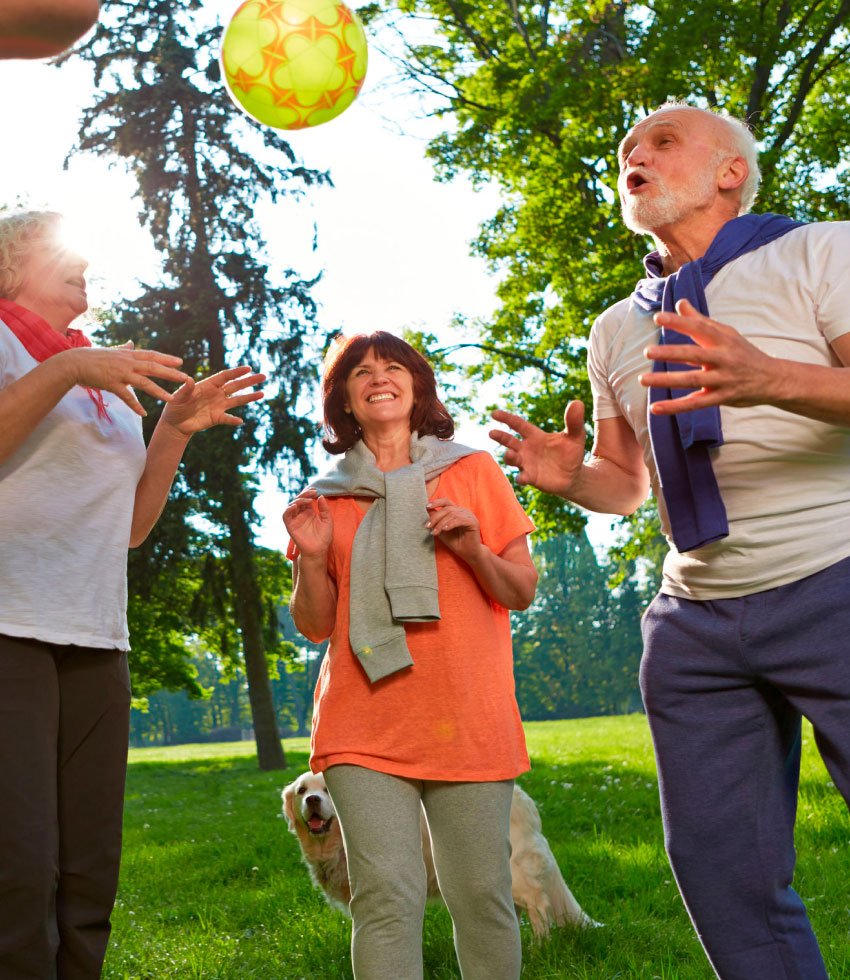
(294,63)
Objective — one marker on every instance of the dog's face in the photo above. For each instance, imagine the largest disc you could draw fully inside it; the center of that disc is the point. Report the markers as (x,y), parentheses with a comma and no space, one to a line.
(308,806)
(311,816)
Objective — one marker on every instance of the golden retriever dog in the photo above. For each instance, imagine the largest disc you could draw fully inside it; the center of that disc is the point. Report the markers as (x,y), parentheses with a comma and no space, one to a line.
(538,887)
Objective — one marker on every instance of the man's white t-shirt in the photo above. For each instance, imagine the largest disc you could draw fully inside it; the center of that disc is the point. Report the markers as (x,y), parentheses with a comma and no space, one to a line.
(66,505)
(784,479)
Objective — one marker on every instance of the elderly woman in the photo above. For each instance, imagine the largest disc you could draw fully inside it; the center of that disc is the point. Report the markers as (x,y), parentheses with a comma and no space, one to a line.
(76,488)
(408,555)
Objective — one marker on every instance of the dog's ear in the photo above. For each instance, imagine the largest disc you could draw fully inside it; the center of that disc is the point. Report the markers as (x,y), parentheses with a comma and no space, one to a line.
(288,795)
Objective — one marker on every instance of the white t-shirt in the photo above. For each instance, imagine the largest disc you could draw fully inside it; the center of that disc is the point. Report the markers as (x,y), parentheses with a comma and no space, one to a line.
(785,479)
(66,504)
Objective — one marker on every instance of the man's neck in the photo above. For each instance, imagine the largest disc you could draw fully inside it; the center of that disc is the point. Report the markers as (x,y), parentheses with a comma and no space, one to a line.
(689,238)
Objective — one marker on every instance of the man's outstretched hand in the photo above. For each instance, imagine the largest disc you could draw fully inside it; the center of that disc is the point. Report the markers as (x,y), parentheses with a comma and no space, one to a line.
(550,461)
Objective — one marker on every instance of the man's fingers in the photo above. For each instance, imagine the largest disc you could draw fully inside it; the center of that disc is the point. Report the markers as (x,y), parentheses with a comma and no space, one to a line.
(680,353)
(674,379)
(701,329)
(688,403)
(512,457)
(505,439)
(686,308)
(515,422)
(574,418)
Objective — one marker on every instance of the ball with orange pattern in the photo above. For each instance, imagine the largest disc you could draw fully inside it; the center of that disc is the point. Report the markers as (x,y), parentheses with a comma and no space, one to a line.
(293,63)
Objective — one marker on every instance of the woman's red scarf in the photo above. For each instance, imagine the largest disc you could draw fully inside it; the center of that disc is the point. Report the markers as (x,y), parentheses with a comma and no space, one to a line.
(42,341)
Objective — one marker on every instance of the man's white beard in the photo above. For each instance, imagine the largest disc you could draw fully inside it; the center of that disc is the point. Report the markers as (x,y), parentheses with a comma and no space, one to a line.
(645,214)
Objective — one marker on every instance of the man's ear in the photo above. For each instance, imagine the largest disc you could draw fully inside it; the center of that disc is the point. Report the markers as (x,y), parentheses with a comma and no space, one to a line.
(732,173)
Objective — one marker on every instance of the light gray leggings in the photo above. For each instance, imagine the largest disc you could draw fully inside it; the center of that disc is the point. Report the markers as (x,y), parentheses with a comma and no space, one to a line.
(470,832)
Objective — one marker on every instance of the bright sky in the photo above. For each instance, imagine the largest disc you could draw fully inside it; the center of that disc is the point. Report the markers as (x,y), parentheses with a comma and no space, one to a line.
(393,242)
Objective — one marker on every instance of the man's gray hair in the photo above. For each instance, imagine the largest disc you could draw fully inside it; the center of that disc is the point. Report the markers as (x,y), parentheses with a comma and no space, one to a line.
(741,142)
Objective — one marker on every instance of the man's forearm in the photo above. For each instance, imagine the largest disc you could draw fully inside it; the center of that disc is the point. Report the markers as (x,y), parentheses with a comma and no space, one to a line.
(605,487)
(814,390)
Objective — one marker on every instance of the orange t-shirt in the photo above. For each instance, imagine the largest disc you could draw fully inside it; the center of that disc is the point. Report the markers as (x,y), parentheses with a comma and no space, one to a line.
(452,715)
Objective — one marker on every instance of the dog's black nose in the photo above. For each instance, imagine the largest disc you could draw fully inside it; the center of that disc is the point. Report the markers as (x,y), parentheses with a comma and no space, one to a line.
(313,800)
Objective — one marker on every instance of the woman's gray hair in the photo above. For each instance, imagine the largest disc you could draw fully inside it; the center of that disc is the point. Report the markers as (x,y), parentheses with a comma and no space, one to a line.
(741,142)
(18,230)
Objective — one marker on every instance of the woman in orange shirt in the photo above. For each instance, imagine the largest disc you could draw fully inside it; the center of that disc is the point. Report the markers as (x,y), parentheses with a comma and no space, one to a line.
(408,555)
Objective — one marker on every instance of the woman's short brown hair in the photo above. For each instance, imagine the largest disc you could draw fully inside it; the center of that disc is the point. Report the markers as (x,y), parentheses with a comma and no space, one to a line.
(429,416)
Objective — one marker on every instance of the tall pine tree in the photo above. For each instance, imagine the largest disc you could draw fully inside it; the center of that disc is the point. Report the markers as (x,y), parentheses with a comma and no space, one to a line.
(201,168)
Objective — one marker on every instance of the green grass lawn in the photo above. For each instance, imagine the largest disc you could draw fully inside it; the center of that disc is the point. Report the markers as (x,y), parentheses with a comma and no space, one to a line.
(212,884)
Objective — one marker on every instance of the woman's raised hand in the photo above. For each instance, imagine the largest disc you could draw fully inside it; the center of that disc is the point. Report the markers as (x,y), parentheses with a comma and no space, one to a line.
(196,406)
(456,527)
(115,369)
(310,524)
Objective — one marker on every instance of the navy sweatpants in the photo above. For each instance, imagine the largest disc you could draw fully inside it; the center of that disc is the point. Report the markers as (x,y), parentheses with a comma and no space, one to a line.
(725,683)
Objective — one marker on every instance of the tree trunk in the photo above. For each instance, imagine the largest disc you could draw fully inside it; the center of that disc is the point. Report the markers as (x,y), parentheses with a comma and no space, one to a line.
(270,753)
(243,579)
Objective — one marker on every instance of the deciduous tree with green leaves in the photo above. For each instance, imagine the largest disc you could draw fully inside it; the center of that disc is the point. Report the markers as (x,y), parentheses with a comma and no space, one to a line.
(201,168)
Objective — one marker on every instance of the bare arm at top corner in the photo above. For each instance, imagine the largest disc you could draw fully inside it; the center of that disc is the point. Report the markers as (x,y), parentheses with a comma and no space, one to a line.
(43,28)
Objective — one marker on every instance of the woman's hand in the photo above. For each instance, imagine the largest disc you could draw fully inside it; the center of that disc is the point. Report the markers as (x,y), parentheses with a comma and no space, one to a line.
(192,408)
(117,369)
(310,524)
(314,595)
(196,406)
(508,578)
(456,527)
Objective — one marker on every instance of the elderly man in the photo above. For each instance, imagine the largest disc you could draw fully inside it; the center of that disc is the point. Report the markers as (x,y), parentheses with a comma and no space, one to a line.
(745,440)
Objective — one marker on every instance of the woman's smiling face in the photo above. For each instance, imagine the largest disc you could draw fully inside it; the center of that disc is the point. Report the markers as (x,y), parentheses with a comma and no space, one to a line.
(379,392)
